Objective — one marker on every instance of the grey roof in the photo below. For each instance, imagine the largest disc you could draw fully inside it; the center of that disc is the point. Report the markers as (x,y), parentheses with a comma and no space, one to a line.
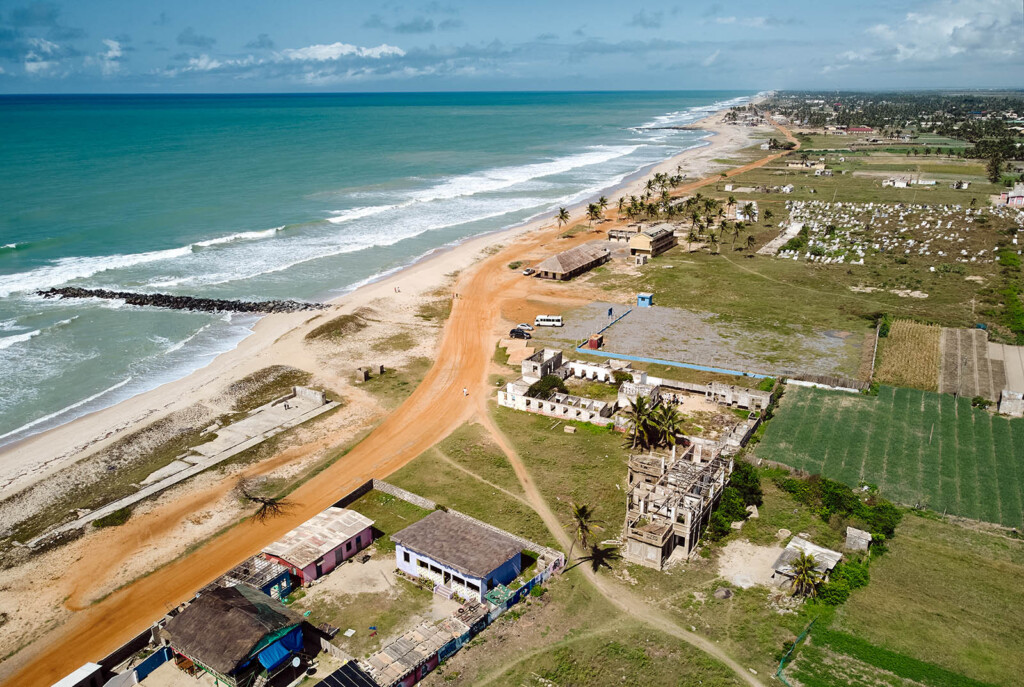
(324,532)
(824,559)
(220,628)
(572,259)
(659,230)
(458,543)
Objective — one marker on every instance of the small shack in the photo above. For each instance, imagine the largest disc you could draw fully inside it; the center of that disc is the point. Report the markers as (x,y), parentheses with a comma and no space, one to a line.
(461,556)
(644,300)
(235,634)
(322,543)
(824,560)
(264,574)
(573,262)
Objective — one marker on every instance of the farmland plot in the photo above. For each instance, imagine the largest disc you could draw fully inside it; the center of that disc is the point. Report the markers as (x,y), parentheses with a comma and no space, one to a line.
(918,447)
(910,356)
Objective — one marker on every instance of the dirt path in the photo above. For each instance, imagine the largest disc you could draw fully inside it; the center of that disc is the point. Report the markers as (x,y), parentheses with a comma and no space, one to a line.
(618,596)
(435,409)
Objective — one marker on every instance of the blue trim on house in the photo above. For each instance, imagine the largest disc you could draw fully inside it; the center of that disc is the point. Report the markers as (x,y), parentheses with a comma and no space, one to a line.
(658,361)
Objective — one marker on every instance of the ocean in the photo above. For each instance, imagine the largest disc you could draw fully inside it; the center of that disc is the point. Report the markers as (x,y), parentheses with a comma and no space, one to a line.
(258,197)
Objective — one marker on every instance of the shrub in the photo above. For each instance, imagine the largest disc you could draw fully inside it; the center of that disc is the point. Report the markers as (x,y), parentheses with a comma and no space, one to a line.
(545,386)
(766,384)
(746,480)
(118,517)
(621,377)
(980,402)
(834,592)
(854,574)
(516,264)
(538,591)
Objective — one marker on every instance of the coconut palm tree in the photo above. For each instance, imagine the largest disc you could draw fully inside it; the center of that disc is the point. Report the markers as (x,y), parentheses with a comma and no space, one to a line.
(768,214)
(667,421)
(805,577)
(639,416)
(750,241)
(583,525)
(562,217)
(748,212)
(713,242)
(602,203)
(690,239)
(593,213)
(600,557)
(622,203)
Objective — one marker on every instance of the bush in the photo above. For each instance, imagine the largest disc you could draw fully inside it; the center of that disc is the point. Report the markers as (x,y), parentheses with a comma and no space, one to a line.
(980,402)
(746,480)
(886,325)
(545,386)
(118,517)
(621,377)
(766,384)
(538,591)
(834,592)
(854,574)
(515,264)
(827,497)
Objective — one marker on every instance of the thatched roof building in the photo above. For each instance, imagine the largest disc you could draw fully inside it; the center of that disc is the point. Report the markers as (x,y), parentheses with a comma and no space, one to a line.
(235,633)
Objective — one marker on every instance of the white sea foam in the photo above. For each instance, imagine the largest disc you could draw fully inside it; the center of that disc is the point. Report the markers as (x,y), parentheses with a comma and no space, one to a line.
(178,346)
(8,341)
(241,236)
(62,411)
(341,216)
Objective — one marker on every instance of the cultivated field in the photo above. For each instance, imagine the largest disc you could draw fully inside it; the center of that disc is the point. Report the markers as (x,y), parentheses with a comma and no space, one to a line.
(910,356)
(918,447)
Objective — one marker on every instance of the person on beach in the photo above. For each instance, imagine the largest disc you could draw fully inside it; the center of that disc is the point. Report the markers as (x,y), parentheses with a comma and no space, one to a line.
(465,391)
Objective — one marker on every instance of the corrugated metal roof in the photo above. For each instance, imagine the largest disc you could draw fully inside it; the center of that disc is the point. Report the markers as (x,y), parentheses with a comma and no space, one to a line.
(572,259)
(322,533)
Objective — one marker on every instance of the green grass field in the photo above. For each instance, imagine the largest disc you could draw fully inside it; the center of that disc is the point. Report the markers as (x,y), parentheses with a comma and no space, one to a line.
(917,446)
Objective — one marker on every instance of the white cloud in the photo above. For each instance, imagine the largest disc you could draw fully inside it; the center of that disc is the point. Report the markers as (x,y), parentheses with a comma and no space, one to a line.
(710,59)
(334,51)
(40,59)
(110,61)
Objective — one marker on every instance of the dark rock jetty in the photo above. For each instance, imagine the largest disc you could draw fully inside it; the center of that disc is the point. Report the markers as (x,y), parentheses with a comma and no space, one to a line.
(163,300)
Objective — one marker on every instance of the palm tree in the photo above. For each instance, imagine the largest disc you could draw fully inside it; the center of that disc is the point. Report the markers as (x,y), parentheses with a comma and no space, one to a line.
(748,212)
(690,238)
(602,203)
(639,415)
(562,217)
(622,203)
(732,201)
(600,558)
(805,576)
(667,421)
(593,213)
(750,241)
(583,525)
(768,214)
(713,241)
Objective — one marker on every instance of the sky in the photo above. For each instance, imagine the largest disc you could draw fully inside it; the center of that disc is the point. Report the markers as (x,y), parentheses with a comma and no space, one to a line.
(211,46)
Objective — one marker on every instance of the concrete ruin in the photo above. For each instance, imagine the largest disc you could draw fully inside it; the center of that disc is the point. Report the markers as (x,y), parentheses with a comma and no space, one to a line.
(670,501)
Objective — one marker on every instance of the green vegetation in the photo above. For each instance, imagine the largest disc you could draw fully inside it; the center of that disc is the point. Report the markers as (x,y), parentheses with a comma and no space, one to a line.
(394,386)
(388,611)
(516,264)
(338,328)
(266,385)
(918,447)
(118,517)
(436,310)
(468,473)
(545,386)
(402,341)
(586,467)
(389,515)
(744,490)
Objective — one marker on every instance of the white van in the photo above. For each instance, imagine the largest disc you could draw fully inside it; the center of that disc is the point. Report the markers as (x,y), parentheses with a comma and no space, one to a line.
(547,321)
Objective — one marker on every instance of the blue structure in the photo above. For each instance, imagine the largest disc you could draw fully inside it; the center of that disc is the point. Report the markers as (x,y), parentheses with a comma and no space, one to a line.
(457,554)
(644,300)
(268,576)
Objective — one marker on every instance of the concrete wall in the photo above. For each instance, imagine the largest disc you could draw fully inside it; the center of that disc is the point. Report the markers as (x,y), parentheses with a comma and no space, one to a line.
(598,416)
(309,394)
(596,371)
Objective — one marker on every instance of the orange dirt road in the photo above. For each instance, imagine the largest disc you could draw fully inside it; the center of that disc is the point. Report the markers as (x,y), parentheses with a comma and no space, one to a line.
(435,409)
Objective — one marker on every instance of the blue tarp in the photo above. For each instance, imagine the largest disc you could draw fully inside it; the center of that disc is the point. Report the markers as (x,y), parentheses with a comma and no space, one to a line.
(279,652)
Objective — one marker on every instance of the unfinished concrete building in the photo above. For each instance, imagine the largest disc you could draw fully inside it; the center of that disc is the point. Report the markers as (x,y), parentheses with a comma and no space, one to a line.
(670,501)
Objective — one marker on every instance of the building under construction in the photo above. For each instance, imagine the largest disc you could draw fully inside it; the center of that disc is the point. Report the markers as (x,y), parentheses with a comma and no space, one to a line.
(670,501)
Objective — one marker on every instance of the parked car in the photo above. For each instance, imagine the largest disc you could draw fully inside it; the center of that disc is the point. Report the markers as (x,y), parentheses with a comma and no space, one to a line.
(528,271)
(518,334)
(525,327)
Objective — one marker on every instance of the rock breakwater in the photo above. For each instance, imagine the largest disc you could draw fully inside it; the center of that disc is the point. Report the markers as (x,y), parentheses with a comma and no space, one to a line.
(164,300)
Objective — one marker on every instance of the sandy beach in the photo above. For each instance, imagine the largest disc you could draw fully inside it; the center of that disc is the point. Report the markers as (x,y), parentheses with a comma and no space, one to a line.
(93,585)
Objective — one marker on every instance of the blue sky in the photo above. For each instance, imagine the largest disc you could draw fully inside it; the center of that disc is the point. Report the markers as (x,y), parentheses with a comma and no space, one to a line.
(335,45)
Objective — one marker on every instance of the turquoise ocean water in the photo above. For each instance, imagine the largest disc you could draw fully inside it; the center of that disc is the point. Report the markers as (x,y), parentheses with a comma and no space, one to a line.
(256,197)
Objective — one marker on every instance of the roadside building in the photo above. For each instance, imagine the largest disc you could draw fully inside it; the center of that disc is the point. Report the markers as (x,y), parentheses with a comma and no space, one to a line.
(319,545)
(573,262)
(1013,197)
(461,557)
(623,234)
(546,361)
(859,130)
(89,675)
(264,574)
(653,241)
(236,634)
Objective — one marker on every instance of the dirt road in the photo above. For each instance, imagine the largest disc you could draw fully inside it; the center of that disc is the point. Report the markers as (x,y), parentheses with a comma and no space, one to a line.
(433,411)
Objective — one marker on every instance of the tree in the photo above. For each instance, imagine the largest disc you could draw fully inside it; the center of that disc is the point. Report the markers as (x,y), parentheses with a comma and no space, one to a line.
(639,416)
(995,168)
(768,214)
(748,212)
(622,203)
(562,217)
(600,557)
(667,423)
(269,507)
(691,238)
(602,203)
(750,241)
(583,525)
(713,241)
(593,213)
(805,577)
